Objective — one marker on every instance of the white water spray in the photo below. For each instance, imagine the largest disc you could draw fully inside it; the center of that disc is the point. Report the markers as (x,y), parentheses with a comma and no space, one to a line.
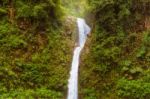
(83,30)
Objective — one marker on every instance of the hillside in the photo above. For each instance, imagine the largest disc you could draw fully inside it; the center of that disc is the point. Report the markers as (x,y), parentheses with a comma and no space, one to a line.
(117,62)
(37,38)
(35,55)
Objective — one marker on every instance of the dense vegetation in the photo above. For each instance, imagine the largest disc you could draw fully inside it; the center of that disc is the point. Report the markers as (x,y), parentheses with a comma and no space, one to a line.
(34,54)
(36,49)
(118,60)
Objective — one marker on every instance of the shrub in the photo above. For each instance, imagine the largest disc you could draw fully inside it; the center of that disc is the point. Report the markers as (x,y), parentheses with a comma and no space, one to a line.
(111,14)
(39,93)
(135,89)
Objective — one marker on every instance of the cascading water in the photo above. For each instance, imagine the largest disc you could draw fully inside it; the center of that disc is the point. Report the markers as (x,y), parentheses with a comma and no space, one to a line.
(84,30)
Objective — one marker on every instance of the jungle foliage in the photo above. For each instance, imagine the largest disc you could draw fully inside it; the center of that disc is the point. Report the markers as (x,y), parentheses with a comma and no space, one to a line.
(34,54)
(117,63)
(35,49)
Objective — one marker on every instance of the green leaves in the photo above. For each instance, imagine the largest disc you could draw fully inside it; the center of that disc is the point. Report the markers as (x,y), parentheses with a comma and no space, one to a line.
(133,88)
(39,12)
(3,11)
(90,93)
(34,56)
(32,94)
(24,10)
(13,41)
(119,50)
(145,46)
(141,52)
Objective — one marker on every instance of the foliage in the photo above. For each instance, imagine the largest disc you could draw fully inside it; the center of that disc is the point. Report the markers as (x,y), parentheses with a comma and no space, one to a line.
(143,51)
(117,60)
(135,89)
(41,13)
(39,93)
(90,94)
(34,54)
(45,68)
(3,11)
(113,14)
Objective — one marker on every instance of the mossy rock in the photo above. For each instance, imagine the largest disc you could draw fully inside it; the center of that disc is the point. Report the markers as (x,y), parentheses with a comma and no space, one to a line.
(70,26)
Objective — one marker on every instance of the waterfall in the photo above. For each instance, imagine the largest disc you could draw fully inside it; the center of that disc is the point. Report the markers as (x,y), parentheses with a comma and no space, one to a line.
(83,30)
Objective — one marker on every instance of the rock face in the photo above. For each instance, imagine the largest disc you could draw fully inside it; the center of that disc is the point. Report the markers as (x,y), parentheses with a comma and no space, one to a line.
(147,23)
(70,27)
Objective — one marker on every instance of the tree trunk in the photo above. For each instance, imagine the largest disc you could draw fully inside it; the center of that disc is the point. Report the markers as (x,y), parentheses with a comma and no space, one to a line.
(11,11)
